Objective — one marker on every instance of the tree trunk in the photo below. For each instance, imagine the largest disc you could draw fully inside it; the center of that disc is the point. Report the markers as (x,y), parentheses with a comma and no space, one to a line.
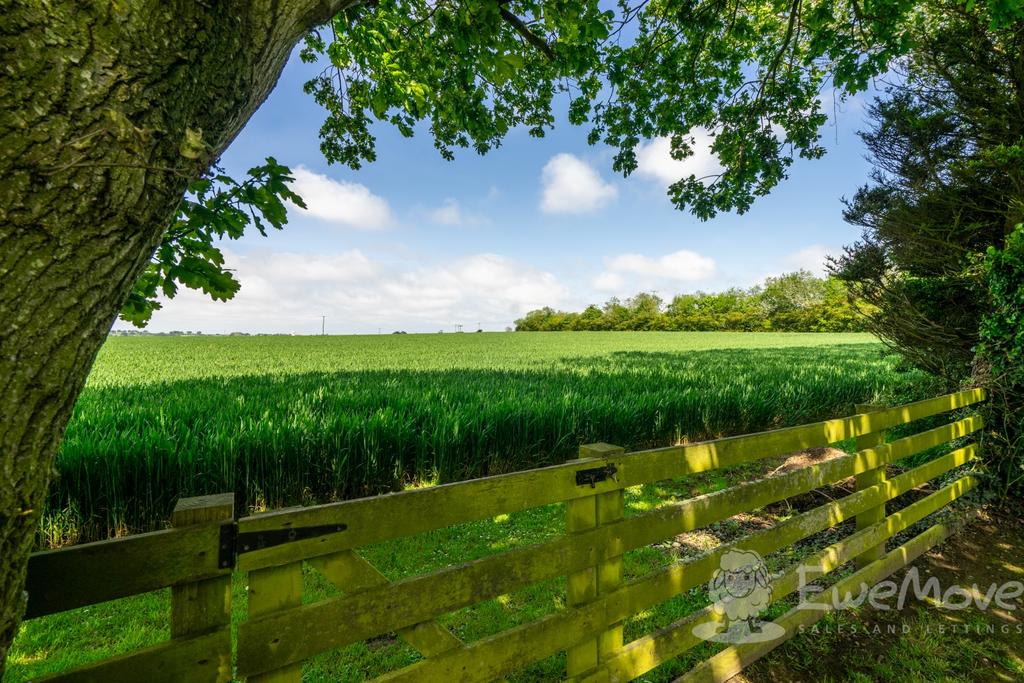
(98,99)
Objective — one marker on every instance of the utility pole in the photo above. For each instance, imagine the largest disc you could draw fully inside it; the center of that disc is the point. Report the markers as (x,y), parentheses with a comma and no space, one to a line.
(323,325)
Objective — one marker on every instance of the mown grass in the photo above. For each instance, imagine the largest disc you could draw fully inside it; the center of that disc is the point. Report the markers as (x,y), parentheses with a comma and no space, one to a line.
(289,420)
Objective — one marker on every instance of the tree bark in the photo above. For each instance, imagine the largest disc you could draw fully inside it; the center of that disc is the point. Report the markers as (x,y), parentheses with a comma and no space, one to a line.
(98,99)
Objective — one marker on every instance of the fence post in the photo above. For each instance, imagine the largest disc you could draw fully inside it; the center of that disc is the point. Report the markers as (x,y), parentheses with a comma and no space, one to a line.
(584,586)
(204,606)
(270,590)
(867,479)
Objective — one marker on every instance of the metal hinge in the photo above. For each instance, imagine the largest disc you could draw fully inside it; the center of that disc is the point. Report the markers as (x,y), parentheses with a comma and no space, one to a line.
(233,543)
(596,474)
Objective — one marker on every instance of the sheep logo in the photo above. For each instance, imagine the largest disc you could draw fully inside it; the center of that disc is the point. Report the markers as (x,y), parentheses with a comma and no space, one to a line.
(740,589)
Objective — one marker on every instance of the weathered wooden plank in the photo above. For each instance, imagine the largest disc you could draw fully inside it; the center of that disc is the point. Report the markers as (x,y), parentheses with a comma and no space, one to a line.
(351,573)
(410,512)
(80,575)
(670,581)
(495,656)
(867,479)
(611,508)
(204,605)
(581,586)
(585,585)
(301,633)
(199,659)
(732,660)
(270,590)
(650,651)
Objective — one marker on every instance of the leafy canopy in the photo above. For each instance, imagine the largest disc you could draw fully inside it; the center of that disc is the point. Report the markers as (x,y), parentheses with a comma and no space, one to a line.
(217,207)
(750,72)
(947,184)
(1001,349)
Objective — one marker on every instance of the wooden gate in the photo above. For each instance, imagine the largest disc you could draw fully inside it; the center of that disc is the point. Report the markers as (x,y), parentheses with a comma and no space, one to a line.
(281,632)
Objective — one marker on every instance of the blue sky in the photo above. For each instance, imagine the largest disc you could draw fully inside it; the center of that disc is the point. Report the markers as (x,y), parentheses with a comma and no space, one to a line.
(417,243)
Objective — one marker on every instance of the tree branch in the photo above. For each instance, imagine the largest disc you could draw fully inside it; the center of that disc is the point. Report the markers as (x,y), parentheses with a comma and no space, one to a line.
(321,11)
(522,29)
(773,68)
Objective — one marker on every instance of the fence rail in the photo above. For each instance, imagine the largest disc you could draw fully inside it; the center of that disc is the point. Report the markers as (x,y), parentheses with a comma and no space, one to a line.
(197,556)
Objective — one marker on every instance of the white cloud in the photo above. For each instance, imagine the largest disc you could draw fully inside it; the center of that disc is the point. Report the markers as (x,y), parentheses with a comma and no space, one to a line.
(609,282)
(810,258)
(483,286)
(451,213)
(570,185)
(682,265)
(347,266)
(627,274)
(288,292)
(339,201)
(654,159)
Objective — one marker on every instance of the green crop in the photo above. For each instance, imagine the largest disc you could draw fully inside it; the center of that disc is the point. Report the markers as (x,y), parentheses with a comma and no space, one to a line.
(288,420)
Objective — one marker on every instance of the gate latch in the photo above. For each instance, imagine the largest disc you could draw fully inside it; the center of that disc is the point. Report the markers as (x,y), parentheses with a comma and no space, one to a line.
(596,474)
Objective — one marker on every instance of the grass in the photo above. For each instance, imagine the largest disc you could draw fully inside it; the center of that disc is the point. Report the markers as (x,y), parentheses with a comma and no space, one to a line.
(182,416)
(291,420)
(921,645)
(58,642)
(921,642)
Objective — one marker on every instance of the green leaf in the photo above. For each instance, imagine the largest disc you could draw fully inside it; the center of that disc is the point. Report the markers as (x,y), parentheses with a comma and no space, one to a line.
(217,208)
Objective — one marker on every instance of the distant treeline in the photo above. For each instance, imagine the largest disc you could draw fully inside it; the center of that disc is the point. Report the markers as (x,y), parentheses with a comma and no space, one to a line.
(794,302)
(147,333)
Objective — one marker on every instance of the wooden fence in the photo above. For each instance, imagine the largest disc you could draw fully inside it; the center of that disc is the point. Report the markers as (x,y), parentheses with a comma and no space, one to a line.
(197,556)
